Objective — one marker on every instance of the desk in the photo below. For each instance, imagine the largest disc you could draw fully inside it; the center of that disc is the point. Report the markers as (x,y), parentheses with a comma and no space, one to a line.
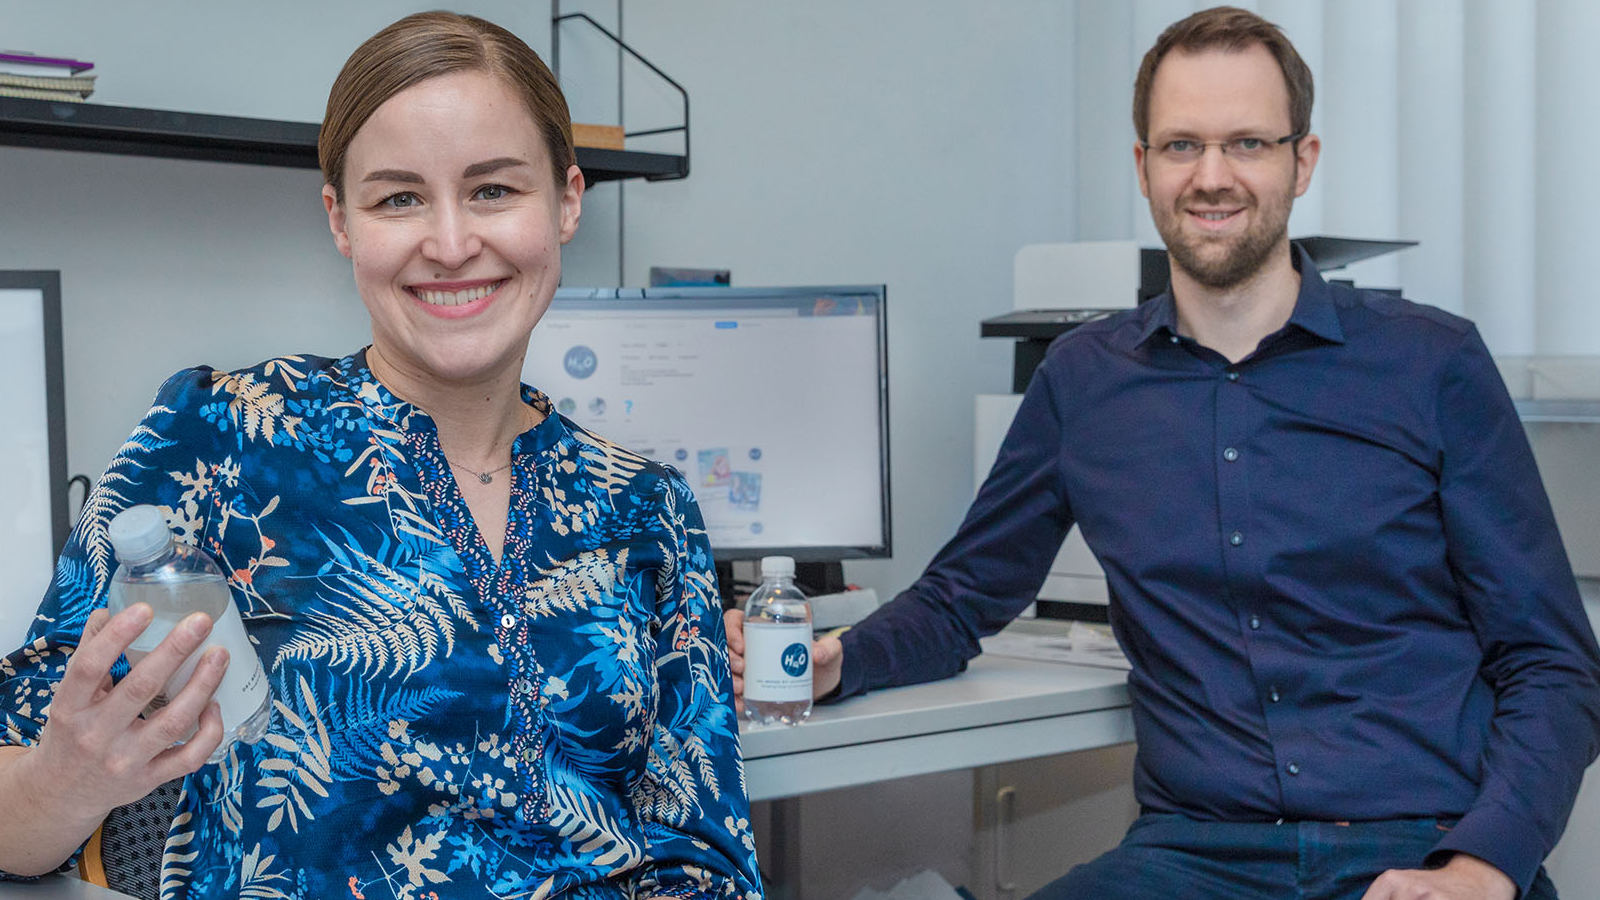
(58,887)
(999,710)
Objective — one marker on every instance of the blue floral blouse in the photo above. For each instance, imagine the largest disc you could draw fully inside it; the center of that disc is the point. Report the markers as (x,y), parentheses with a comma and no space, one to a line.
(559,725)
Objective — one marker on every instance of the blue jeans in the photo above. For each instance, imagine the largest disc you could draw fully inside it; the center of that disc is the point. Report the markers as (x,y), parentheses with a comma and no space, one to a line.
(1166,856)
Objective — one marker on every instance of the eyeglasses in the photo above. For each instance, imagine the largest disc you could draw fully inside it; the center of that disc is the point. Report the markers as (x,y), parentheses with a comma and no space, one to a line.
(1184,152)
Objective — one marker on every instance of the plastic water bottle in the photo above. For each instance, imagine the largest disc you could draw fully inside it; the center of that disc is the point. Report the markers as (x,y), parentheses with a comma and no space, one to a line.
(777,647)
(176,580)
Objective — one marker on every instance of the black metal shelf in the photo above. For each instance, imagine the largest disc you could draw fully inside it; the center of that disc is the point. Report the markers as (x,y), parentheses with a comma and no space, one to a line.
(129,131)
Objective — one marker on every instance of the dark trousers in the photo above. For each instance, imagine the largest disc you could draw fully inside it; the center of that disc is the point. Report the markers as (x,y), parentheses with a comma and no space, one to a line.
(1166,857)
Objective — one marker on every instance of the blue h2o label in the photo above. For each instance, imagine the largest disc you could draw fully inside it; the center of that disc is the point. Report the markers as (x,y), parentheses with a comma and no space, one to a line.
(795,659)
(579,362)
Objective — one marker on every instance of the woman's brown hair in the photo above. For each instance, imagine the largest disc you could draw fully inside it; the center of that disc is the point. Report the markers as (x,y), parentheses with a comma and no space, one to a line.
(426,45)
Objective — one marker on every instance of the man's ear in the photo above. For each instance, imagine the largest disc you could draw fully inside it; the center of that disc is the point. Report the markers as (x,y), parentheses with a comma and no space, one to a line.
(1306,153)
(1138,165)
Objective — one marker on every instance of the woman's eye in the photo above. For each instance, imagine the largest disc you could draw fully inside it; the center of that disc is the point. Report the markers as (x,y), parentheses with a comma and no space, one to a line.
(493,192)
(402,200)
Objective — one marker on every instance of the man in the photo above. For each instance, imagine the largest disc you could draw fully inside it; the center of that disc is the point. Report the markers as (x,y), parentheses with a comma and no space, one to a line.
(1361,668)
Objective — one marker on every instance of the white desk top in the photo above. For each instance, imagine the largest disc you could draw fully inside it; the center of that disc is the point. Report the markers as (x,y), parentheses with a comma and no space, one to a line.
(999,710)
(58,887)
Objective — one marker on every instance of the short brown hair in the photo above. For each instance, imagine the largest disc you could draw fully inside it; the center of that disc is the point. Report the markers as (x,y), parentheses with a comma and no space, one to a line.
(1231,29)
(426,45)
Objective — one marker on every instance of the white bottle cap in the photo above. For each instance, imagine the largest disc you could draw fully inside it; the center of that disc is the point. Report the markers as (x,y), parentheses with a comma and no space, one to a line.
(777,567)
(139,534)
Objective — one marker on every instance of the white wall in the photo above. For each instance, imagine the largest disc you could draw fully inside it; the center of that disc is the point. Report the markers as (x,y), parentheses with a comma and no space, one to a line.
(842,142)
(167,263)
(821,155)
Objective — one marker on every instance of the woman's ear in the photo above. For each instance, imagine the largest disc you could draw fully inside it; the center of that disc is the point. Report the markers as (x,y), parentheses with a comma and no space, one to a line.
(336,223)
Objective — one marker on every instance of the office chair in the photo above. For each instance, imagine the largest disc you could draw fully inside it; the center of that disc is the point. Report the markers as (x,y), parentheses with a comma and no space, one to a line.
(125,853)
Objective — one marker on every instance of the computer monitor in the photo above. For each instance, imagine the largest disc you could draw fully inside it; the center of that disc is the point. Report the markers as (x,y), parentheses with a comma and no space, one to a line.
(773,403)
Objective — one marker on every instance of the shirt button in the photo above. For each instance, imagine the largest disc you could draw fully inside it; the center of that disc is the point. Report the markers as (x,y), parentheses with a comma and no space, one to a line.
(1173,339)
(1233,376)
(1294,768)
(524,686)
(1235,539)
(528,755)
(1230,454)
(1255,623)
(1274,695)
(508,621)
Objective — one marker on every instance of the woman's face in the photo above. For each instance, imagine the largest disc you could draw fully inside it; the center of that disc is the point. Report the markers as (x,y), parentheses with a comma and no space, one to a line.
(454,229)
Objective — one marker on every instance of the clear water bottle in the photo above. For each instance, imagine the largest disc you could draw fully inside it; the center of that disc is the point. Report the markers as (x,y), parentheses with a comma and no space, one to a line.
(176,580)
(777,647)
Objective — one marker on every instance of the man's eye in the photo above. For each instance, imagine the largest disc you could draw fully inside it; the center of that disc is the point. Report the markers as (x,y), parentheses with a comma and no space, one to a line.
(1250,144)
(1180,146)
(402,200)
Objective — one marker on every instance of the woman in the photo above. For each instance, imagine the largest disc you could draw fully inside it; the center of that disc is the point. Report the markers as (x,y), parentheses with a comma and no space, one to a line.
(492,637)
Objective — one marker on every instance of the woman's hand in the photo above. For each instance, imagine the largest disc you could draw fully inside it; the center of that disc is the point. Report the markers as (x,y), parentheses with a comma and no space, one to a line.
(95,753)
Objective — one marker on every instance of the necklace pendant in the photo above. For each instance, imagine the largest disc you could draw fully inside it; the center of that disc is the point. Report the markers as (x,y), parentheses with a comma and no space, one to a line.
(485,478)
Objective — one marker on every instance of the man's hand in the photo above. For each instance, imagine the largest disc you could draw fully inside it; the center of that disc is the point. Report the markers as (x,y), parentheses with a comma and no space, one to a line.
(827,659)
(1462,878)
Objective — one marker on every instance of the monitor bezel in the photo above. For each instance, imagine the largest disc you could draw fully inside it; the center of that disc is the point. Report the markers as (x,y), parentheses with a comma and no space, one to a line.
(879,292)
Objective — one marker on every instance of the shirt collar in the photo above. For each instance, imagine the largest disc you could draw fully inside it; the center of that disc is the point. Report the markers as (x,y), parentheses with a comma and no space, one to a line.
(1314,310)
(402,415)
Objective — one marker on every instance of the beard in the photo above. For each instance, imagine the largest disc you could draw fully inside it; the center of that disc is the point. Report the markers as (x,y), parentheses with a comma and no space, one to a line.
(1219,262)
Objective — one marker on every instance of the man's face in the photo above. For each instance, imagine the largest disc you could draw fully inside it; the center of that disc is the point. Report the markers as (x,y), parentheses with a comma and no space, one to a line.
(1222,216)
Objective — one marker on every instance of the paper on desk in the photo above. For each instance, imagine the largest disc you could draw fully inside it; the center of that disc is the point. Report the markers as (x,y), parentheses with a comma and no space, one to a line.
(1084,645)
(925,885)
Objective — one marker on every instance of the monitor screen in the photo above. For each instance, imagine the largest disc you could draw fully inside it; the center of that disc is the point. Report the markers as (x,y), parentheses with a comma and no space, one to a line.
(772,402)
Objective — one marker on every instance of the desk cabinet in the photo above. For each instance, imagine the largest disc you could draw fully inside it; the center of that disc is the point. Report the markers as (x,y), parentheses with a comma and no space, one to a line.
(1036,818)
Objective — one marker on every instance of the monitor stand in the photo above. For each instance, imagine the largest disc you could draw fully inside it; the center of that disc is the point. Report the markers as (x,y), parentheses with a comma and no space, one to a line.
(814,578)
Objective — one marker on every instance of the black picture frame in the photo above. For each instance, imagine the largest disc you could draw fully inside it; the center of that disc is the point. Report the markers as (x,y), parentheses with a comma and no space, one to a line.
(20,375)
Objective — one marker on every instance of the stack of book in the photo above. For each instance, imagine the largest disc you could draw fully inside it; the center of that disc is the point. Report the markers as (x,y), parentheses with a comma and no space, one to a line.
(44,77)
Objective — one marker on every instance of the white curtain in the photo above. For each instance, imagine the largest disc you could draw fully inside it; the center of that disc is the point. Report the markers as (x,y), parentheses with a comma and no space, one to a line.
(1464,124)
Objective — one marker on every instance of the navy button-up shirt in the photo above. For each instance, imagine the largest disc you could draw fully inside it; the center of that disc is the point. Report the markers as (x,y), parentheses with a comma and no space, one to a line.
(1336,572)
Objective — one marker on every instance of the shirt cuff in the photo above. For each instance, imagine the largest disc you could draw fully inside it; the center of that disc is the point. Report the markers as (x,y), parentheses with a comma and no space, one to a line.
(1514,850)
(852,671)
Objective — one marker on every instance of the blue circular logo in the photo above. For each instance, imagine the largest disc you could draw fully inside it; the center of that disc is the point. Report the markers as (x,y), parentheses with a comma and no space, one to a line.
(796,657)
(681,454)
(755,452)
(580,361)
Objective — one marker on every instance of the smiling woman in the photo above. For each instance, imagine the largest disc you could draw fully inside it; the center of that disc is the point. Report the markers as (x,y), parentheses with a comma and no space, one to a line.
(508,684)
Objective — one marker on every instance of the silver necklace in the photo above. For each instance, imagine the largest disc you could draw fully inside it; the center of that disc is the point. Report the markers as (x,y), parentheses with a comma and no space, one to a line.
(483,477)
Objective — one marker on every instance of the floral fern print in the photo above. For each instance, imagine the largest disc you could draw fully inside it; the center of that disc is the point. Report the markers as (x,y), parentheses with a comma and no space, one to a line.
(554,725)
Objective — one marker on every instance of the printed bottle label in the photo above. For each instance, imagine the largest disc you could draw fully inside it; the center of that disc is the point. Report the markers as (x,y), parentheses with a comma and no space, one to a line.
(777,662)
(243,685)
